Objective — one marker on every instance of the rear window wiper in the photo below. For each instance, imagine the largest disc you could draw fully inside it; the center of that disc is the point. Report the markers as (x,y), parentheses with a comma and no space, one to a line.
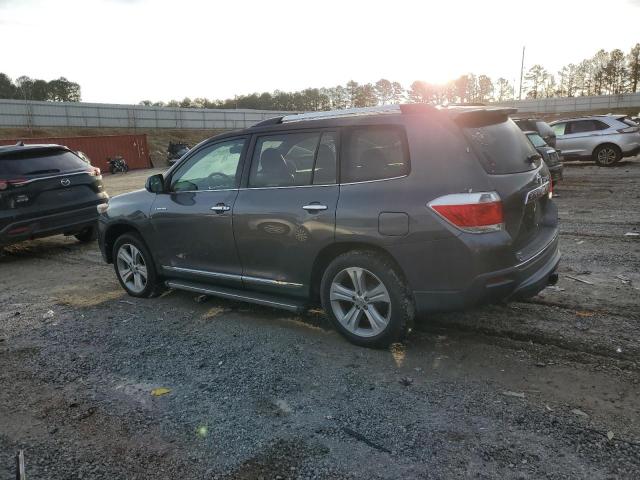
(41,172)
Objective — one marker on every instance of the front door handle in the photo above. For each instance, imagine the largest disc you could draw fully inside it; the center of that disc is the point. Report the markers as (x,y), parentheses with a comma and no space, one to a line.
(221,208)
(314,207)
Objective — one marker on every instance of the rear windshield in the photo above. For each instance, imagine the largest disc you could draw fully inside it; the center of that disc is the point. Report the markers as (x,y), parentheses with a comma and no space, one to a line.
(536,139)
(501,147)
(40,163)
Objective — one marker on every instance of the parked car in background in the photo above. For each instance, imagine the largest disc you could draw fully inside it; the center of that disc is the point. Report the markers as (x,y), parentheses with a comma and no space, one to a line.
(549,155)
(605,139)
(541,127)
(374,213)
(175,151)
(47,190)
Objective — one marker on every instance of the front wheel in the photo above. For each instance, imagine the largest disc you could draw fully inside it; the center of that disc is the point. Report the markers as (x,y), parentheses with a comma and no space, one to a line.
(134,267)
(367,299)
(607,155)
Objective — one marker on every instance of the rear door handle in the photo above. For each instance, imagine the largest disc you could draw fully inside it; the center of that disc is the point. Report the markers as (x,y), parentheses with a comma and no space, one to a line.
(314,207)
(220,208)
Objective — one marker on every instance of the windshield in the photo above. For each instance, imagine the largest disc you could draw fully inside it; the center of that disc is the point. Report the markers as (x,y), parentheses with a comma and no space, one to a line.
(536,140)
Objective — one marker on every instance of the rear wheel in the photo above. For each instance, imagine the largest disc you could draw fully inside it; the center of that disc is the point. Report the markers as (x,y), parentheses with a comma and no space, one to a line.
(134,267)
(607,155)
(367,299)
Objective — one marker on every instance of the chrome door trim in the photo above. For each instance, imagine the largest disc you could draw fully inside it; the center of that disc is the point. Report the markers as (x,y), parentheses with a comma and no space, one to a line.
(204,273)
(289,186)
(232,276)
(268,281)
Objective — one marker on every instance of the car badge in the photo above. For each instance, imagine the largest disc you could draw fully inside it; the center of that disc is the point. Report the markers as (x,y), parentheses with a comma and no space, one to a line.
(65,182)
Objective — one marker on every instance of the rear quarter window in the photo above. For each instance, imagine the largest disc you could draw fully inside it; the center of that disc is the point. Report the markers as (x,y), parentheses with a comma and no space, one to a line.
(501,147)
(30,163)
(374,153)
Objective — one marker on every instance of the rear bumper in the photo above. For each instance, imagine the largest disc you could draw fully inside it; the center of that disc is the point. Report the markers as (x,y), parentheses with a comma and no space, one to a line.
(71,221)
(520,281)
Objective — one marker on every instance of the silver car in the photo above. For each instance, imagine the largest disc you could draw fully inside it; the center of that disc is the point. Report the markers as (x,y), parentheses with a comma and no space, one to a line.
(603,138)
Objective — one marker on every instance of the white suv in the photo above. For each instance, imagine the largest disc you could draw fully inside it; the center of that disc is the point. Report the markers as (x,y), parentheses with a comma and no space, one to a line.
(603,138)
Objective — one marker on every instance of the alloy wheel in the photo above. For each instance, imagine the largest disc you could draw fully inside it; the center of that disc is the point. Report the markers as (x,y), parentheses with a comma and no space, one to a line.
(607,156)
(132,268)
(360,302)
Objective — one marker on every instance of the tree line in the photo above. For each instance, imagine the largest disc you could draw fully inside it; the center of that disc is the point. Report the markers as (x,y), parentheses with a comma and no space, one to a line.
(606,73)
(25,88)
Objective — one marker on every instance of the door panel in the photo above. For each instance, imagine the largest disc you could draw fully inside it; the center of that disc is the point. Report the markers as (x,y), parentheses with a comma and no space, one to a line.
(194,236)
(278,239)
(194,220)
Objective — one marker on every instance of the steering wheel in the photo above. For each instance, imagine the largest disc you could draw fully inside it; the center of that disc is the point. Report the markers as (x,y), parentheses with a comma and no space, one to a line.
(219,174)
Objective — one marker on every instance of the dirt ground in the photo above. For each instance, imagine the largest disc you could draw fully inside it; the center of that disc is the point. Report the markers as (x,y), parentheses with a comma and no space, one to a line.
(547,388)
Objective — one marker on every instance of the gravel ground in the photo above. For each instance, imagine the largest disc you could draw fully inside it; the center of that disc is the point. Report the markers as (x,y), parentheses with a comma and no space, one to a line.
(543,389)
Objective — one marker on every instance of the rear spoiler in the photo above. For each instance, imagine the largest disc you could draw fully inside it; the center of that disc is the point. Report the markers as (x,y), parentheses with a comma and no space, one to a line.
(478,116)
(22,149)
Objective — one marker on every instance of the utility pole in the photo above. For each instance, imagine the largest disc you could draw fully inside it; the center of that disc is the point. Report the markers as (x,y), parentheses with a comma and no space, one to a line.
(521,72)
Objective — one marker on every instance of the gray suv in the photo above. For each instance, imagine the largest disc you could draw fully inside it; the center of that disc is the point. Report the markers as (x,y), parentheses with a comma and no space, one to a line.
(376,214)
(603,138)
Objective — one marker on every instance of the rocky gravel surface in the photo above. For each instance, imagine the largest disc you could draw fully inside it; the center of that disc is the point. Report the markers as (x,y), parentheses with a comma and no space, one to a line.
(95,384)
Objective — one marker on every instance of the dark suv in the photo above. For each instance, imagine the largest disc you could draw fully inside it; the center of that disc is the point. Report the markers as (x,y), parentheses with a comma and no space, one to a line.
(376,214)
(47,190)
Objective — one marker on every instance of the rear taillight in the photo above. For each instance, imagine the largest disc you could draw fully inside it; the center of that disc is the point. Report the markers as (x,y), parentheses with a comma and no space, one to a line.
(472,212)
(14,182)
(629,130)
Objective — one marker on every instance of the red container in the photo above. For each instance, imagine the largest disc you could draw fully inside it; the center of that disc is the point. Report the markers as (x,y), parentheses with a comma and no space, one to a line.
(133,148)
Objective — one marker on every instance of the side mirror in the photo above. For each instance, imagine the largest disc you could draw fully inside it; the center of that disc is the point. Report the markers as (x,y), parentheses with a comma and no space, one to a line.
(155,184)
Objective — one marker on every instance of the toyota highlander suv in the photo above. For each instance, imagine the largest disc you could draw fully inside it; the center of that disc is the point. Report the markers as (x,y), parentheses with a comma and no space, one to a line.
(376,214)
(603,138)
(47,190)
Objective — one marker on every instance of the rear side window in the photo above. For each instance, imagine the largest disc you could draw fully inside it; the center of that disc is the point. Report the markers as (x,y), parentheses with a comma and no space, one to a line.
(629,122)
(294,159)
(374,153)
(536,140)
(29,163)
(501,147)
(583,126)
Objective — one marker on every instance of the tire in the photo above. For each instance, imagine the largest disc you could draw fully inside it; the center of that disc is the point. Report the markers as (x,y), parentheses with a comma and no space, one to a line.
(362,321)
(112,169)
(607,155)
(87,235)
(125,168)
(136,284)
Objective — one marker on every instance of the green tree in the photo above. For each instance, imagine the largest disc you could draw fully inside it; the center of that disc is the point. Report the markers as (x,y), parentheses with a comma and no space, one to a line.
(383,91)
(633,67)
(503,90)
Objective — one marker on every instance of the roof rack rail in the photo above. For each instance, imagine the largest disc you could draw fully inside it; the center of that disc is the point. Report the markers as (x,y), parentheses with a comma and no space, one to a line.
(268,121)
(348,112)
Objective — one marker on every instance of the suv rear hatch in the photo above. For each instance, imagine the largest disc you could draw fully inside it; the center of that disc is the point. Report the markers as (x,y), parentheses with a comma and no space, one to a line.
(47,179)
(518,175)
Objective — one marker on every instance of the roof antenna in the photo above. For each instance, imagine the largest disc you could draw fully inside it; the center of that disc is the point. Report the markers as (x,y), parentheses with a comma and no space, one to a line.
(20,143)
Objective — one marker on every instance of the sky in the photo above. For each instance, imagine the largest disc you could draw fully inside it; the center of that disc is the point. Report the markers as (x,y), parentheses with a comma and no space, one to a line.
(125,51)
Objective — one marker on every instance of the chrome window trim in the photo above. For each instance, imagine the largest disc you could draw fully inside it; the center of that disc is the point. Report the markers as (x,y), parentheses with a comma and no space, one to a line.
(376,180)
(232,276)
(200,191)
(290,186)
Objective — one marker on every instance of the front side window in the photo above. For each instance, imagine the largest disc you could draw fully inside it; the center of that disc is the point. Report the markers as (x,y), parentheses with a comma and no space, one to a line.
(559,128)
(211,168)
(374,153)
(294,159)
